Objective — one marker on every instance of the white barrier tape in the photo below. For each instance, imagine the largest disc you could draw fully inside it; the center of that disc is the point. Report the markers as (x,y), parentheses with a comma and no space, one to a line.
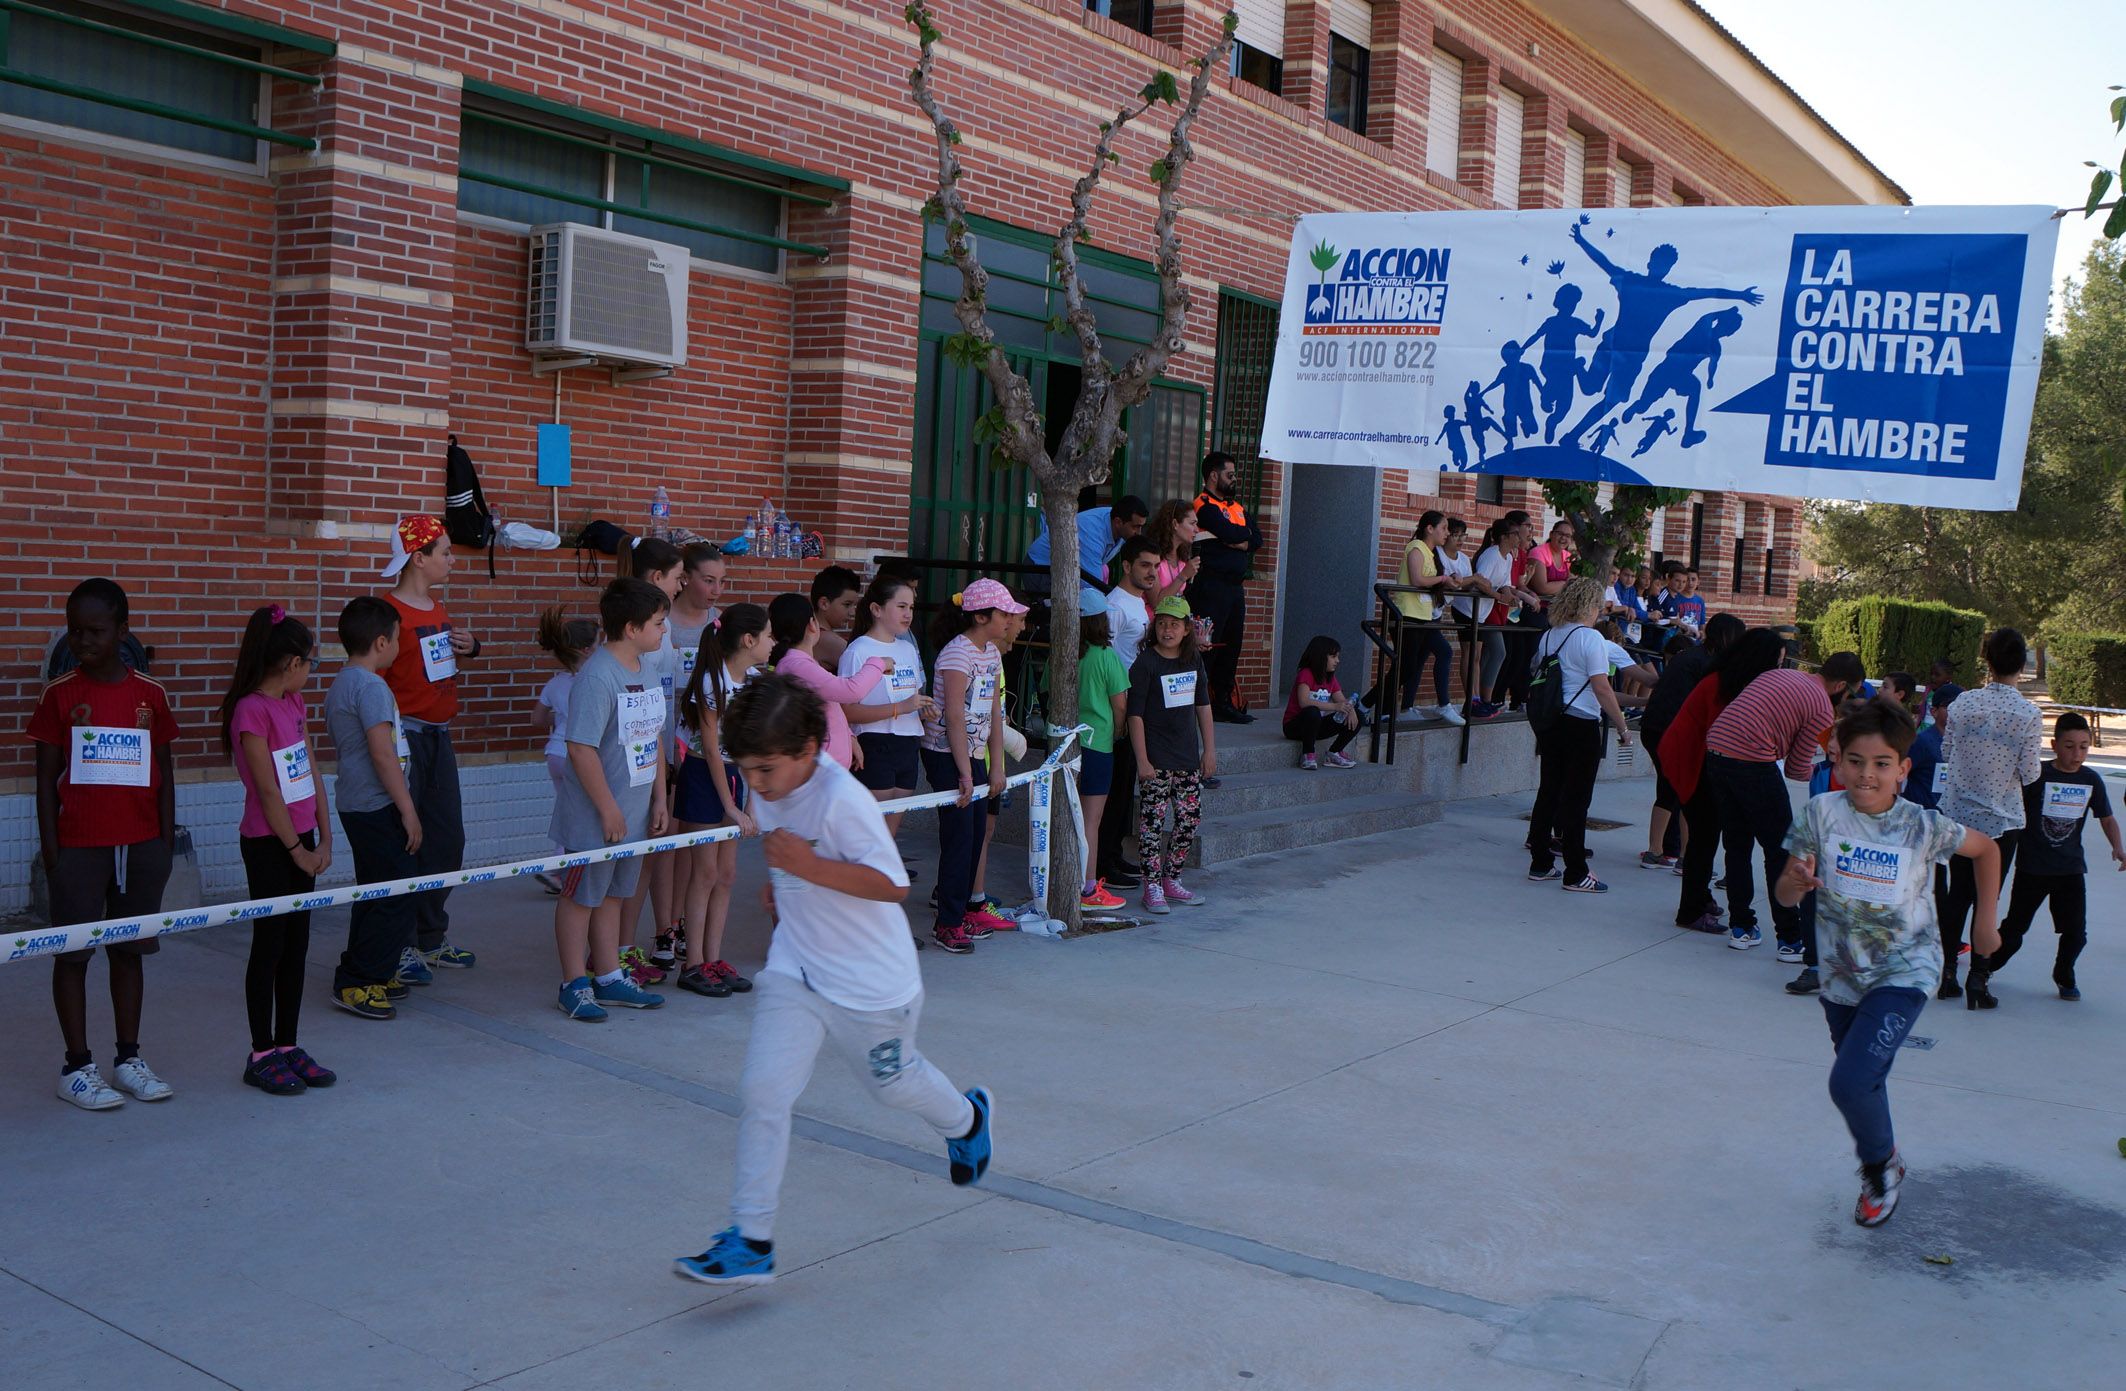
(2091,709)
(52,941)
(1033,917)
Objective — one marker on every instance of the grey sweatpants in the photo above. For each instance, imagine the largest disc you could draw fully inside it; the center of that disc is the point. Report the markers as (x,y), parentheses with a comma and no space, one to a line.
(790,1021)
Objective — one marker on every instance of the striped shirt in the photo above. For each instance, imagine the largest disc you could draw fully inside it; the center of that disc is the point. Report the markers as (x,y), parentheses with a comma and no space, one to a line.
(1783,714)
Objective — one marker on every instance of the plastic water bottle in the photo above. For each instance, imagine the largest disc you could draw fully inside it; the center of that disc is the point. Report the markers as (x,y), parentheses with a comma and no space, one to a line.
(660,513)
(764,530)
(785,536)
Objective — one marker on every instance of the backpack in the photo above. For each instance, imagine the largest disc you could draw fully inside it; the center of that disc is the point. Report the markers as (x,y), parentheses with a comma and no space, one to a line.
(1546,690)
(597,537)
(467,519)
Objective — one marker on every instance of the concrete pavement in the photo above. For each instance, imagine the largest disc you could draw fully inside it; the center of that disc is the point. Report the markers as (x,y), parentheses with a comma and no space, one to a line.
(1382,1115)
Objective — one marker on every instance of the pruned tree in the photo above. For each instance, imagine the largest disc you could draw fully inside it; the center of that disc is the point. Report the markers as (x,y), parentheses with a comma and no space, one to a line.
(1014,427)
(1619,529)
(2101,183)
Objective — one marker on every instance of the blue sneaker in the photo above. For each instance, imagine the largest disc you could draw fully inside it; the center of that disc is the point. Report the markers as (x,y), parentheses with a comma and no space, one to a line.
(728,1261)
(456,958)
(970,1157)
(413,968)
(577,1003)
(1743,938)
(624,993)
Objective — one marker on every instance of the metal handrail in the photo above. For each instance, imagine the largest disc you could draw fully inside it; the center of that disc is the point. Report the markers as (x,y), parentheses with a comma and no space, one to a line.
(1389,654)
(152,108)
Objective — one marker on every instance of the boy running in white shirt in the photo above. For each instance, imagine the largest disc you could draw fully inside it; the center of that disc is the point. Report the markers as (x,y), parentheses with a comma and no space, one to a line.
(841,969)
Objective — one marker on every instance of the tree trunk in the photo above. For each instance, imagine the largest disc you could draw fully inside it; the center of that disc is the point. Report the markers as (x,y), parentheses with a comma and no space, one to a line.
(1066,863)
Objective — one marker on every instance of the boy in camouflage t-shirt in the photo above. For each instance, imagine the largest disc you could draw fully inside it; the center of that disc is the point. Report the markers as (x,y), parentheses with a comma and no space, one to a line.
(1869,855)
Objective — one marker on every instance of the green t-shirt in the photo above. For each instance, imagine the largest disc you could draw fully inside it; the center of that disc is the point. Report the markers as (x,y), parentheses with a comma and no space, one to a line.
(1100,679)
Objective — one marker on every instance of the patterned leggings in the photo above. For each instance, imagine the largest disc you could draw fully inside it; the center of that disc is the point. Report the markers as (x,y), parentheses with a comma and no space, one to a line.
(1158,791)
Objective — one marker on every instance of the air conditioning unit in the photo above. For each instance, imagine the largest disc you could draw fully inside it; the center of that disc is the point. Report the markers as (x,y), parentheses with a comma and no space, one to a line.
(606,297)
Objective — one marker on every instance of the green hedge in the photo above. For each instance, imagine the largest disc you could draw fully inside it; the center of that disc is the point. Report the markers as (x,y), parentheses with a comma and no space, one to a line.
(1811,631)
(1900,635)
(2087,668)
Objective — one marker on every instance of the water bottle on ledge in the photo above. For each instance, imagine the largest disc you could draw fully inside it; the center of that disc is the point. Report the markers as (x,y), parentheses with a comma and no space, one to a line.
(660,513)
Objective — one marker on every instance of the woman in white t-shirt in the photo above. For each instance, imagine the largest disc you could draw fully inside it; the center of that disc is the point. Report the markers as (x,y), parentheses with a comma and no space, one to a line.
(1571,749)
(889,720)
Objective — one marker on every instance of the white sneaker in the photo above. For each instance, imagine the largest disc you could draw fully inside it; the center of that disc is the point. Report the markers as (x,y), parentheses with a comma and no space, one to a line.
(85,1087)
(1451,714)
(137,1077)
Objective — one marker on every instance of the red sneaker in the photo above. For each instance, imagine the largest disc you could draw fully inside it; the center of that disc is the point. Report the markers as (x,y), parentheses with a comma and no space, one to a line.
(980,924)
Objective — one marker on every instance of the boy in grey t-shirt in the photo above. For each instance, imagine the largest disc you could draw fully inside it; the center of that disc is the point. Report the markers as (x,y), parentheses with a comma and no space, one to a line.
(613,792)
(376,809)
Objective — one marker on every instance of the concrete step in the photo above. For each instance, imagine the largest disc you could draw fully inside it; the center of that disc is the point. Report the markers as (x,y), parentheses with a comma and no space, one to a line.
(1228,837)
(1291,786)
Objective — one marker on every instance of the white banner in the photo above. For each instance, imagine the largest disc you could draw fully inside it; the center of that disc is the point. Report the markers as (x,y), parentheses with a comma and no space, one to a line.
(1877,353)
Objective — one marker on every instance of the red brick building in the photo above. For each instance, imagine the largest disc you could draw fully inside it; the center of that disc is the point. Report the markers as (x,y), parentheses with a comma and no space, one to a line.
(261,258)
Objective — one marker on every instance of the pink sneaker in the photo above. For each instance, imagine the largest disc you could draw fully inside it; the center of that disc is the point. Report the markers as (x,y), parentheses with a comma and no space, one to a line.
(1341,760)
(1176,894)
(640,969)
(980,924)
(1155,897)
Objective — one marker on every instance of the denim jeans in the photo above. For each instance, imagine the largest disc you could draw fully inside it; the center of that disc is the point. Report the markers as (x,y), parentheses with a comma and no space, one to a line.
(1753,808)
(1867,1037)
(959,834)
(432,779)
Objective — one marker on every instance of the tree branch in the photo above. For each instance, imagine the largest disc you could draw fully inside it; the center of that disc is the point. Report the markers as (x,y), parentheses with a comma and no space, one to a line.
(1020,435)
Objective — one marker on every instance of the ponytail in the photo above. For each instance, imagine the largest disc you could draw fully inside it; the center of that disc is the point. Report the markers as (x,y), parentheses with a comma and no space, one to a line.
(789,616)
(708,684)
(270,638)
(570,640)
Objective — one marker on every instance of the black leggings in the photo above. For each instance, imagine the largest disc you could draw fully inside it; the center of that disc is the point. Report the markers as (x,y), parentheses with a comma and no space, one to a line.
(280,946)
(1308,726)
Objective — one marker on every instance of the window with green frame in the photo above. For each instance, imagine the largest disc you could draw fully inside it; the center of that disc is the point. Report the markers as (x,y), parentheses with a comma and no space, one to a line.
(1247,342)
(529,165)
(149,78)
(962,505)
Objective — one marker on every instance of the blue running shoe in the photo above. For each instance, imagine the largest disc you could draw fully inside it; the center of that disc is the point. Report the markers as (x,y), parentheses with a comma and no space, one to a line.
(413,968)
(728,1261)
(624,993)
(456,958)
(1743,938)
(577,1003)
(970,1157)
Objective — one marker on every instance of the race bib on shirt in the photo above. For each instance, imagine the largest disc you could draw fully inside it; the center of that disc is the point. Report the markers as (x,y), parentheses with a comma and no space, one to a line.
(687,657)
(2065,801)
(399,745)
(291,771)
(1178,688)
(641,718)
(1941,778)
(106,756)
(905,680)
(438,661)
(1866,872)
(981,691)
(1632,632)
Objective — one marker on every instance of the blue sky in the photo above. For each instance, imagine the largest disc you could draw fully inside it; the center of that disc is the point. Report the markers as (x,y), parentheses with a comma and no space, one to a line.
(1958,101)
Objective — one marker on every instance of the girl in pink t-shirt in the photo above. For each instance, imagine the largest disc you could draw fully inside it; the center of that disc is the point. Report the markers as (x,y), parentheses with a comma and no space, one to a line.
(285,838)
(792,621)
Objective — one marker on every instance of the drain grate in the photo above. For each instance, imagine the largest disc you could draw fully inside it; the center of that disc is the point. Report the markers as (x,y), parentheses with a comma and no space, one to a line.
(1594,823)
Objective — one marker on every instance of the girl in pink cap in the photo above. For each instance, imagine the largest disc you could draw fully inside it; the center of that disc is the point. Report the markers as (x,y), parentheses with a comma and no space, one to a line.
(963,742)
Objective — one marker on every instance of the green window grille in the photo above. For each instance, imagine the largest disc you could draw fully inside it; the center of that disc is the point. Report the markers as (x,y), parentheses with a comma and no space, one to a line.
(144,78)
(963,506)
(1247,341)
(531,165)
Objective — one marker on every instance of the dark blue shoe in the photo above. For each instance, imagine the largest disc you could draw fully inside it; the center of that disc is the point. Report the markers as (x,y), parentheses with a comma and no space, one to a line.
(413,968)
(970,1157)
(728,1261)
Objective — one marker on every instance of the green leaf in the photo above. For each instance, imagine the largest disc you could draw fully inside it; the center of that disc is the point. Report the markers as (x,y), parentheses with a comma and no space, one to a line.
(2115,225)
(1160,88)
(933,208)
(2118,113)
(1230,23)
(952,135)
(1160,169)
(1057,323)
(2097,188)
(965,350)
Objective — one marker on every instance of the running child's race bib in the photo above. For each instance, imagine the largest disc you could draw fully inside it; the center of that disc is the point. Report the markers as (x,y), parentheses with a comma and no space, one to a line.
(438,661)
(1866,872)
(291,771)
(2065,801)
(107,756)
(906,680)
(1179,687)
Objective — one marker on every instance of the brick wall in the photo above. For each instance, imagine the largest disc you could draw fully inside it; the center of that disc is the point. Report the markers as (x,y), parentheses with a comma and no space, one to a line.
(223,386)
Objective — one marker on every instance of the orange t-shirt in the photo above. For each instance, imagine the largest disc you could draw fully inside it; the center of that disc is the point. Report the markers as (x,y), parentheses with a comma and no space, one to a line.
(424,677)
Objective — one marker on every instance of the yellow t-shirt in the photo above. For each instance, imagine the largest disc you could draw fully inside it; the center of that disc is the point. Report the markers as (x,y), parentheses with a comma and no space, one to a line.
(1417,607)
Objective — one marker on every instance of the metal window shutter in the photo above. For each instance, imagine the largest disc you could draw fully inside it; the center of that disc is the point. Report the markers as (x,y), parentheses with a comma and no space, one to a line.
(1506,161)
(1575,191)
(1620,185)
(1351,18)
(1261,25)
(1443,115)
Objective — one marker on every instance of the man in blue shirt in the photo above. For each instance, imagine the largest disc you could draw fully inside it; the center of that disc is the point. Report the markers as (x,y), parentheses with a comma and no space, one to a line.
(1101,532)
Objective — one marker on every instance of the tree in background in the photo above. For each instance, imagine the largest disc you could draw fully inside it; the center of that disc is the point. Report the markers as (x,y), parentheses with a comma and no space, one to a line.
(2102,181)
(1617,531)
(1014,427)
(2059,559)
